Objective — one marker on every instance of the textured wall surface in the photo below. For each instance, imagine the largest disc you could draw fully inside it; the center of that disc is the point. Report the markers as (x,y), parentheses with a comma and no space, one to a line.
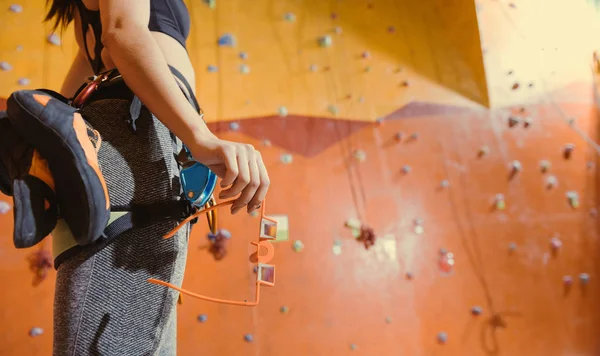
(434,189)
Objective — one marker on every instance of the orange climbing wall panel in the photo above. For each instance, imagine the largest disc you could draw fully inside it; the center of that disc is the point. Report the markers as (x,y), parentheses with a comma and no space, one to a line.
(336,301)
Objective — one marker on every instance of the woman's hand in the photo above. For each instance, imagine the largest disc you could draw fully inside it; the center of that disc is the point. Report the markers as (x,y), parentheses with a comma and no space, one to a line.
(239,166)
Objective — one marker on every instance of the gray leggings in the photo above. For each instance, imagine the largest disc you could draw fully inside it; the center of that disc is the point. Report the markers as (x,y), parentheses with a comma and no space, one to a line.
(103,303)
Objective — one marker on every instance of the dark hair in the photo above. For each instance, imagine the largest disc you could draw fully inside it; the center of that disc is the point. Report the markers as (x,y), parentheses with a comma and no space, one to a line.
(62,11)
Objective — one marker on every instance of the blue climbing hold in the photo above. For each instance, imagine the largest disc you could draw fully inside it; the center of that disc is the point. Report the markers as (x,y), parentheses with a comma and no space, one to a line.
(442,337)
(243,55)
(476,310)
(212,69)
(227,40)
(226,234)
(248,338)
(234,126)
(202,318)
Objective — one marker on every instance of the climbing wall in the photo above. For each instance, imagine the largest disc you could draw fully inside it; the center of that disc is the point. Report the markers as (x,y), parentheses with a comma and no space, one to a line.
(413,219)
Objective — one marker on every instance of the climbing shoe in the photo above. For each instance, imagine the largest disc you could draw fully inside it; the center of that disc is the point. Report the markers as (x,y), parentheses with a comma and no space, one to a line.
(70,145)
(25,176)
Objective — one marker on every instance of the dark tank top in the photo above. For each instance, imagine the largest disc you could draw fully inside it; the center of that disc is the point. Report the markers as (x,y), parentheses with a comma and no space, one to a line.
(170,17)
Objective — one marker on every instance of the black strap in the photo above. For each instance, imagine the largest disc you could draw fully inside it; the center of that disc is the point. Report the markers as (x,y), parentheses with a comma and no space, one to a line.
(137,216)
(89,17)
(191,97)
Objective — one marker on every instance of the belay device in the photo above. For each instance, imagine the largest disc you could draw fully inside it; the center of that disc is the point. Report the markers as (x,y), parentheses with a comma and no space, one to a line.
(197,180)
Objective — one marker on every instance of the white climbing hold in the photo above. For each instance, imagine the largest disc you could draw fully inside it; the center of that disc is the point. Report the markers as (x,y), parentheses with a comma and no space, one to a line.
(266,143)
(16,8)
(286,158)
(24,81)
(333,109)
(54,39)
(360,155)
(19,48)
(313,68)
(551,182)
(545,165)
(283,111)
(4,207)
(5,66)
(211,3)
(337,30)
(298,246)
(244,69)
(36,332)
(325,41)
(445,183)
(289,17)
(406,169)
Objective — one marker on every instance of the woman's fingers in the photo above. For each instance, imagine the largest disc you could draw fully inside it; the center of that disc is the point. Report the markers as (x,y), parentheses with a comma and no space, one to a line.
(243,177)
(250,189)
(261,192)
(229,156)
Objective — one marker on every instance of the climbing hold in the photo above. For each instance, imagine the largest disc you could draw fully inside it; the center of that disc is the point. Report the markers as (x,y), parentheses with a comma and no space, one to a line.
(333,109)
(367,236)
(551,182)
(16,8)
(567,280)
(248,338)
(333,16)
(298,246)
(419,226)
(360,155)
(283,111)
(442,337)
(443,251)
(590,165)
(266,143)
(367,69)
(244,69)
(325,41)
(398,136)
(226,234)
(380,121)
(211,3)
(515,86)
(353,347)
(476,310)
(289,17)
(545,165)
(405,83)
(483,151)
(227,40)
(284,309)
(19,48)
(212,68)
(406,169)
(512,246)
(286,158)
(500,202)
(353,223)
(366,55)
(202,318)
(568,150)
(313,68)
(445,183)
(54,39)
(516,166)
(234,126)
(254,213)
(36,332)
(391,29)
(414,136)
(23,81)
(337,30)
(512,4)
(361,99)
(409,275)
(255,269)
(243,55)
(218,247)
(513,121)
(555,243)
(337,247)
(527,122)
(584,278)
(4,207)
(573,198)
(446,262)
(593,212)
(571,121)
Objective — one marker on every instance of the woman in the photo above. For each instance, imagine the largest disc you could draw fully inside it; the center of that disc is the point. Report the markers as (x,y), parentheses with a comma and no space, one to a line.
(103,304)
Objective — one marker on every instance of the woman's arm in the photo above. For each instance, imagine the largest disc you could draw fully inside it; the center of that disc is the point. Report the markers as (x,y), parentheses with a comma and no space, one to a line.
(78,73)
(140,61)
